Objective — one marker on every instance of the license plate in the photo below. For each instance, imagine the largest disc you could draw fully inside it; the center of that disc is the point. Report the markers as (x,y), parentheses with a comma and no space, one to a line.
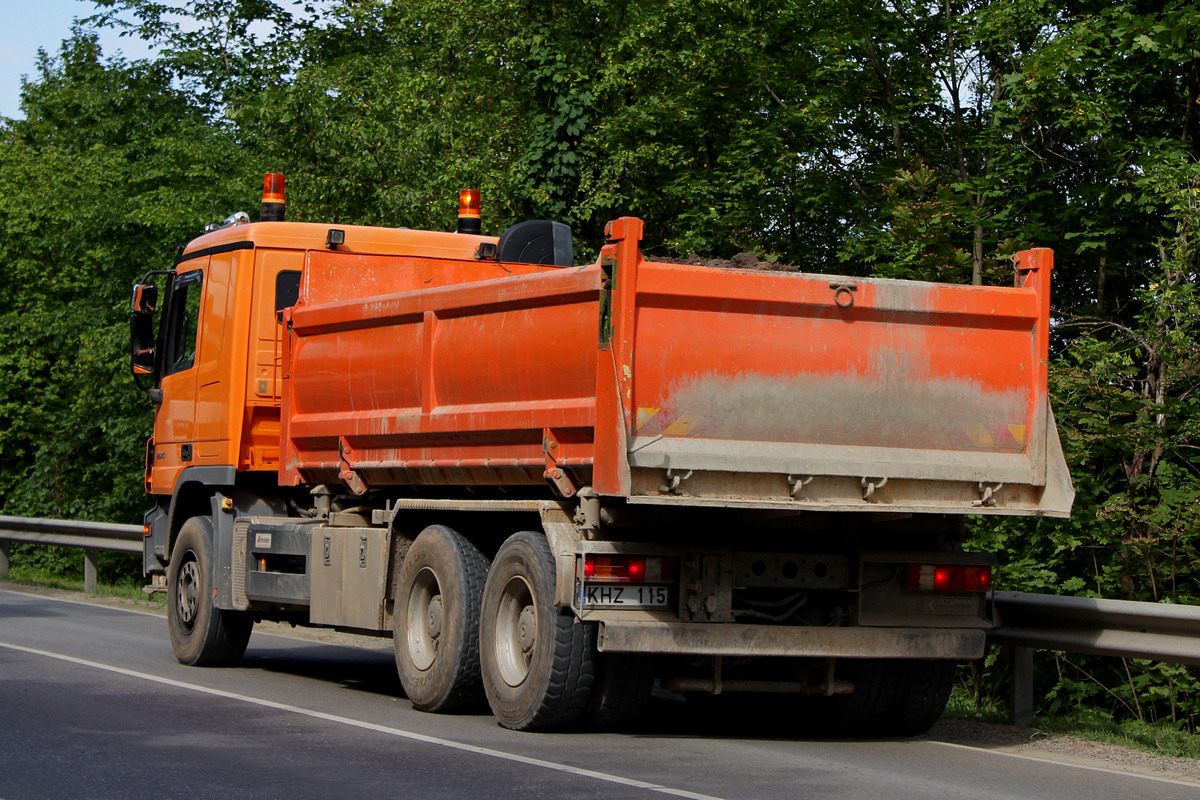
(607,594)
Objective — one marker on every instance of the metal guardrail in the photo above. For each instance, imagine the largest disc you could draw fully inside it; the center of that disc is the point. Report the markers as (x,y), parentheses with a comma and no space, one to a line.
(92,537)
(1122,628)
(1155,631)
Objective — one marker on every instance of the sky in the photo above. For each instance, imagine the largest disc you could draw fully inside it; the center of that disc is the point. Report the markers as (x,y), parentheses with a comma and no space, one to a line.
(32,24)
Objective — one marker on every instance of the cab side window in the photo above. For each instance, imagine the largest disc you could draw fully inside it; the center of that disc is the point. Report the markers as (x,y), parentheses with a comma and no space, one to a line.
(287,291)
(183,322)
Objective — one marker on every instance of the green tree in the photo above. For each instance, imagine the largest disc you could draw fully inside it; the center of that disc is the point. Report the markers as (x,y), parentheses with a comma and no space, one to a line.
(111,170)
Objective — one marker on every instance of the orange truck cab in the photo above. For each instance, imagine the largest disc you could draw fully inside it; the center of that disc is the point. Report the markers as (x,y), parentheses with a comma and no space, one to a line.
(626,471)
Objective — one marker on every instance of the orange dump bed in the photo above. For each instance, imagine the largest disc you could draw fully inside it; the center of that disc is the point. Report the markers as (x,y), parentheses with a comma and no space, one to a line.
(675,384)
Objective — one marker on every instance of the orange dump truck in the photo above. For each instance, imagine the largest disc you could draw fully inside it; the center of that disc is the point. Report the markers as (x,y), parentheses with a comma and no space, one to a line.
(554,485)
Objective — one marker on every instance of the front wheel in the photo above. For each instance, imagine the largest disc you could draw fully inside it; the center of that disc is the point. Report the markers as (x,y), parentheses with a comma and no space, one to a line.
(436,622)
(538,662)
(201,634)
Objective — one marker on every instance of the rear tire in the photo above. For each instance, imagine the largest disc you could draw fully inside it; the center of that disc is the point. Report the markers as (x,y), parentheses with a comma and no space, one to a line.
(865,711)
(621,692)
(893,697)
(201,634)
(436,621)
(921,696)
(537,660)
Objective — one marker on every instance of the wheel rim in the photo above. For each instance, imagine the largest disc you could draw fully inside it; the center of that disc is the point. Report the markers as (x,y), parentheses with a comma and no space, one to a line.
(423,624)
(516,631)
(187,592)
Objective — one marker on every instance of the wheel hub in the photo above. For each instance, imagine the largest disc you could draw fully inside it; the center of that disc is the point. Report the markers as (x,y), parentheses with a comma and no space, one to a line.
(433,620)
(516,631)
(187,593)
(527,630)
(424,619)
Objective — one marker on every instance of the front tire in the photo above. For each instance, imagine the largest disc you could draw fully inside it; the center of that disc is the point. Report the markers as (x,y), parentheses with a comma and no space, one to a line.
(436,621)
(201,634)
(538,662)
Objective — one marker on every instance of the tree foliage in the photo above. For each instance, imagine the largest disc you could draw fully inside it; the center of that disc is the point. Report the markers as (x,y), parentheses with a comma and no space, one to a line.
(110,170)
(889,137)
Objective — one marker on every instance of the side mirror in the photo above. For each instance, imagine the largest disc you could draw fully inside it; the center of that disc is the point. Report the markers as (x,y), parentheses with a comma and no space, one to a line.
(141,342)
(145,297)
(143,301)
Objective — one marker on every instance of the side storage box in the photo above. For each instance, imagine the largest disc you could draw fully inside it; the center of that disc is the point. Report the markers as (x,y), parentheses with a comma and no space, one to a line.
(348,573)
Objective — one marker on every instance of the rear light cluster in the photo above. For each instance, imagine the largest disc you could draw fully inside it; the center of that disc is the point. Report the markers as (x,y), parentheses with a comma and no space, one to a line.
(948,578)
(627,569)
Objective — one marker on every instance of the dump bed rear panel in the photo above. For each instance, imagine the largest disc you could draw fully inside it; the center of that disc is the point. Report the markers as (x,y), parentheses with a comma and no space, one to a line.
(751,372)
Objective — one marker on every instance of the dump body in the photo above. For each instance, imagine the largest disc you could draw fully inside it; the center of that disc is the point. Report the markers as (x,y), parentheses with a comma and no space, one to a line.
(674,384)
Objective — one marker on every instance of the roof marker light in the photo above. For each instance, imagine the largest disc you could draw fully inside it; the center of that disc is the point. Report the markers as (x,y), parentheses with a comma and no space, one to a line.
(272,198)
(470,218)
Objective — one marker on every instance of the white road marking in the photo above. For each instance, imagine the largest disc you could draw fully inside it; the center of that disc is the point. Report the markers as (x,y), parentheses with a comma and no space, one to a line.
(354,723)
(37,596)
(1072,764)
(161,615)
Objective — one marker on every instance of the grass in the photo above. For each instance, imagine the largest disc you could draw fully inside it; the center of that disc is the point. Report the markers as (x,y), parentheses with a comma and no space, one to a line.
(124,590)
(964,705)
(1161,738)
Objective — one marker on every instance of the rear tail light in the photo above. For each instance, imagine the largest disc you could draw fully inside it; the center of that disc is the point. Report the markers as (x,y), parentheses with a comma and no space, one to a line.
(627,569)
(948,578)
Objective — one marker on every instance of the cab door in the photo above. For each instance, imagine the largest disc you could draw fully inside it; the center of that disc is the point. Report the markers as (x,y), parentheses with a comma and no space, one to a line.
(217,403)
(175,420)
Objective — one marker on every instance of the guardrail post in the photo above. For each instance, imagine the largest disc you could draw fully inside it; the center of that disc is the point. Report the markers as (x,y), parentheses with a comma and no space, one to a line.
(1021,691)
(89,570)
(3,558)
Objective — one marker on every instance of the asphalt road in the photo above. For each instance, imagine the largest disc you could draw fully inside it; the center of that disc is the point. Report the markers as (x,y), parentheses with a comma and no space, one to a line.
(93,705)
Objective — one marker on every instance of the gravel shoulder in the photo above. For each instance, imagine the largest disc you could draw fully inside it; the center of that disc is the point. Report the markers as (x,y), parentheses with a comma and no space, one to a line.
(1007,739)
(1064,748)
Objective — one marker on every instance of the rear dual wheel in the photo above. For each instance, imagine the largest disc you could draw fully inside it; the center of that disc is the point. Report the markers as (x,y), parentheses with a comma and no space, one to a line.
(621,692)
(464,629)
(538,661)
(436,621)
(893,697)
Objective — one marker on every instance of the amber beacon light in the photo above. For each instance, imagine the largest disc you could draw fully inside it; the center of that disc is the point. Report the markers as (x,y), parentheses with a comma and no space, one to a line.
(272,198)
(469,217)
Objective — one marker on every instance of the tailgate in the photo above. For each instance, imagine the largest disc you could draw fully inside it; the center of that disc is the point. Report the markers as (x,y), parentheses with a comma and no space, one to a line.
(834,392)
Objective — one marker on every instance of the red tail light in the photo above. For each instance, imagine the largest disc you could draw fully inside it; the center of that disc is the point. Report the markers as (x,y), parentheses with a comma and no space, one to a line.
(628,569)
(948,578)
